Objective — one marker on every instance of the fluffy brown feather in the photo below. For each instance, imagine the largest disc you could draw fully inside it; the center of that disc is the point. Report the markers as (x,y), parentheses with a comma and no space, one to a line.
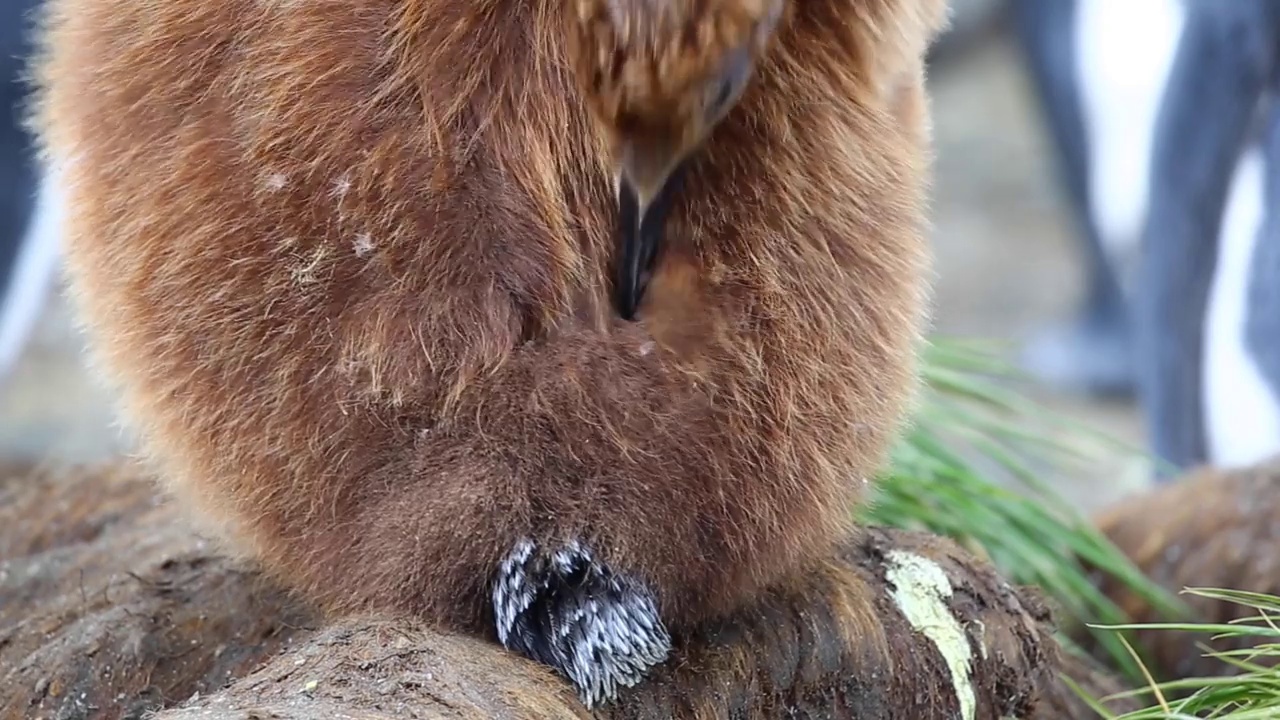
(349,261)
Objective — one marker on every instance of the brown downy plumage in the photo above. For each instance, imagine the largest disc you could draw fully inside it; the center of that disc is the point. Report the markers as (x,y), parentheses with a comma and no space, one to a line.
(352,264)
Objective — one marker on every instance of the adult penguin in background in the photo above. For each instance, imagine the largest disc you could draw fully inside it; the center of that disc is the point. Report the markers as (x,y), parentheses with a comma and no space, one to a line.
(1183,194)
(1208,297)
(29,238)
(395,300)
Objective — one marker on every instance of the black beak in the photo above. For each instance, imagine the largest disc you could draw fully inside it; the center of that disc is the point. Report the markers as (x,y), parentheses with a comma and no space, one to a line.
(640,233)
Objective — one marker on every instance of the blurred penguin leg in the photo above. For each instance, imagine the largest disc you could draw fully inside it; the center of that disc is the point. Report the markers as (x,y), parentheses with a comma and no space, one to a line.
(1090,354)
(1222,65)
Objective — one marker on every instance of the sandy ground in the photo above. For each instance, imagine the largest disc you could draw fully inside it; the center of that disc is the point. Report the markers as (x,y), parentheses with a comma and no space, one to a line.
(1005,261)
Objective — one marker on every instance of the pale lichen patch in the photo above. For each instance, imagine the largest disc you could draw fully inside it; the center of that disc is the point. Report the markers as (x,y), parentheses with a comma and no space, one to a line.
(982,633)
(921,590)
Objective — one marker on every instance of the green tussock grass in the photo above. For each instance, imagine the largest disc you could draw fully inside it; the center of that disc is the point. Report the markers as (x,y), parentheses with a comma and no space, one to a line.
(1252,694)
(972,441)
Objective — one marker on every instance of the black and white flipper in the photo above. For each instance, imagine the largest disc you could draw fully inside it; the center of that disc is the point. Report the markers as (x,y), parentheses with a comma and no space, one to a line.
(564,609)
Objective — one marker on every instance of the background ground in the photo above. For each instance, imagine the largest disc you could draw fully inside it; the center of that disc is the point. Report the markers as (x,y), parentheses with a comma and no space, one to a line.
(1005,258)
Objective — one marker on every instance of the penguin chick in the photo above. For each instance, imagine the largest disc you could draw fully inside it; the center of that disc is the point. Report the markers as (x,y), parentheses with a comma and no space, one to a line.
(349,263)
(659,76)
